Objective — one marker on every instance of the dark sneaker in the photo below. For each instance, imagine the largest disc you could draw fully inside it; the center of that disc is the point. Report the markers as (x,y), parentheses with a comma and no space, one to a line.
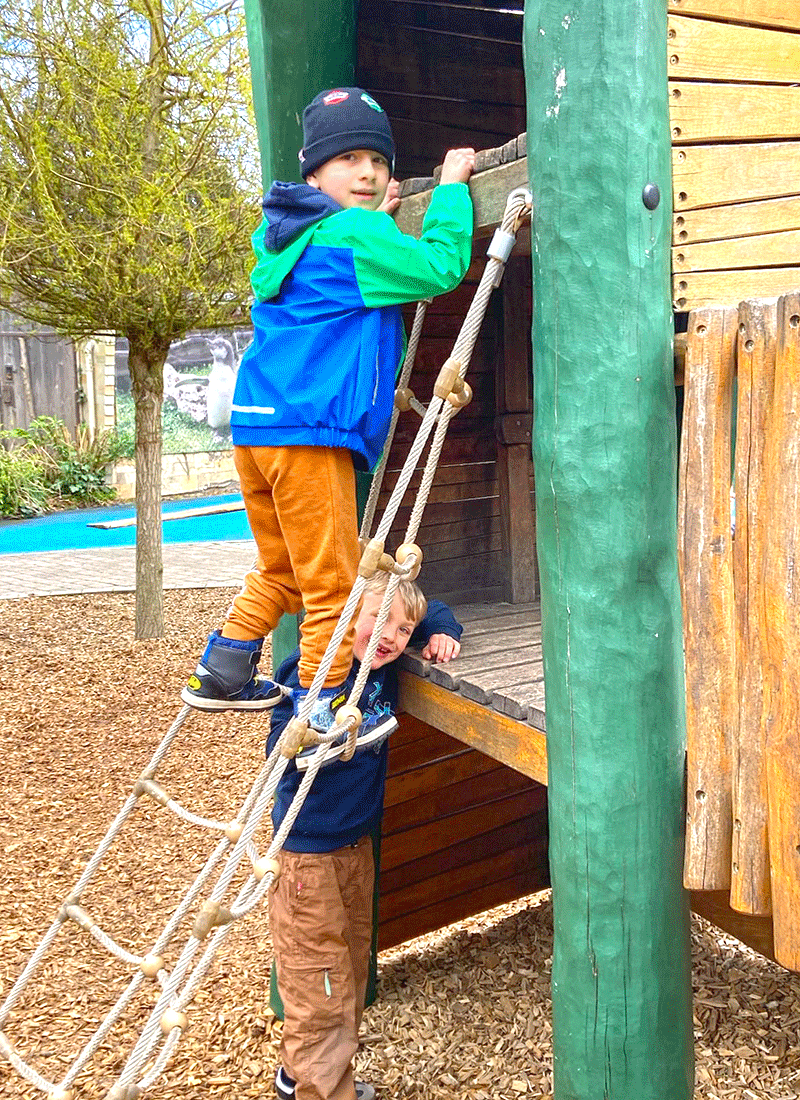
(373,732)
(226,678)
(284,1087)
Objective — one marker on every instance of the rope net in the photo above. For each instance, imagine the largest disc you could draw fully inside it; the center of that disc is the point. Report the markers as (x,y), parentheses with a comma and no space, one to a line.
(213,920)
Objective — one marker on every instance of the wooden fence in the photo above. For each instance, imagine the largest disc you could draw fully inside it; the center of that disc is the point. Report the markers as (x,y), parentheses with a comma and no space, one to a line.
(740,579)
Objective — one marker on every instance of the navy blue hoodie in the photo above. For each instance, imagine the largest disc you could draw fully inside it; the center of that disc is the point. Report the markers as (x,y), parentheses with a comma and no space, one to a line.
(345,801)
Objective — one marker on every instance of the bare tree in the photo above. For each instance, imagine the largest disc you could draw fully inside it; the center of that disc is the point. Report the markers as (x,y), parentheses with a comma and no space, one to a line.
(129,172)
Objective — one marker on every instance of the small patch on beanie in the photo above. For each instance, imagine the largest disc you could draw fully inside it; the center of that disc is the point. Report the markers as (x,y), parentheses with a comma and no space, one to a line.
(370,102)
(334,97)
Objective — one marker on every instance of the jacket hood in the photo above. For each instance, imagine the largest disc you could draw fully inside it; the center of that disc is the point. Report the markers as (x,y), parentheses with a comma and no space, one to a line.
(289,208)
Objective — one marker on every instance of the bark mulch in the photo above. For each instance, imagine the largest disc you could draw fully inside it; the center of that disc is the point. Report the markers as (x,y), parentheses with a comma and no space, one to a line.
(463,1014)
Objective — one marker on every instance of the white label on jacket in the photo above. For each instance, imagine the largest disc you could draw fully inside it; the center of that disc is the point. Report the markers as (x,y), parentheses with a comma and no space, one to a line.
(267,410)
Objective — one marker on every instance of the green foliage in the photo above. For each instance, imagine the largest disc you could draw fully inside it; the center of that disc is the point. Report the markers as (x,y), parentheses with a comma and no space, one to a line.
(23,491)
(129,165)
(181,434)
(45,467)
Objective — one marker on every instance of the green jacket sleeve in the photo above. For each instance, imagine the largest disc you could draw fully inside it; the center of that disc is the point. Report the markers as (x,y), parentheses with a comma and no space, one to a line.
(393,267)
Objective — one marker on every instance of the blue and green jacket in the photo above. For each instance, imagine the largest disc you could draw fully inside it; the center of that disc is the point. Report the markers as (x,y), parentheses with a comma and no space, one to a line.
(328,332)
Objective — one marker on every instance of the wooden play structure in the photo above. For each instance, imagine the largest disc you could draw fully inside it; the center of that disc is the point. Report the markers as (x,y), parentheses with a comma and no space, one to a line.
(714,89)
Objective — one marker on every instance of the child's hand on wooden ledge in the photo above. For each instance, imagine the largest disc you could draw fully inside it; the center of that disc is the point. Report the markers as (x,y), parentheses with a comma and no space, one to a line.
(458,166)
(441,648)
(391,200)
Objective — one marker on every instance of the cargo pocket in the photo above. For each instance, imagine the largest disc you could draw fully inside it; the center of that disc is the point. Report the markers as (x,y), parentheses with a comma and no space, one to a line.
(312,994)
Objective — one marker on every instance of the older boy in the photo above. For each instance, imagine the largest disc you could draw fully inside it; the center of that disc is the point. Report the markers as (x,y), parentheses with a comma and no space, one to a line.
(322,902)
(315,388)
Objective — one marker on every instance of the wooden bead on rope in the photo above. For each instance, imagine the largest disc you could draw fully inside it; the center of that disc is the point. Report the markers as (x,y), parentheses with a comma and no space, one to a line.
(293,737)
(123,1092)
(262,867)
(171,1019)
(446,378)
(346,713)
(403,553)
(403,396)
(212,915)
(150,965)
(60,1094)
(234,830)
(461,395)
(373,558)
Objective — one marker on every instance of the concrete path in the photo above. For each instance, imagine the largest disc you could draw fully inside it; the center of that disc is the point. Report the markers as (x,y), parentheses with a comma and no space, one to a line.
(59,572)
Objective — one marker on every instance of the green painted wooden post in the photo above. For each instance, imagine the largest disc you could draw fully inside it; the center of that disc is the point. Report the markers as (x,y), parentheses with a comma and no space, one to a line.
(297,48)
(605,459)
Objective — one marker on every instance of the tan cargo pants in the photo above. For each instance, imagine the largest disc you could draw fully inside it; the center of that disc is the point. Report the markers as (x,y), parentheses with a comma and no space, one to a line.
(321,923)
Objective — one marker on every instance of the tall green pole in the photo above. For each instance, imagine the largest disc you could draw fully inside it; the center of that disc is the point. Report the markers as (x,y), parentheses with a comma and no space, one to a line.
(605,460)
(297,48)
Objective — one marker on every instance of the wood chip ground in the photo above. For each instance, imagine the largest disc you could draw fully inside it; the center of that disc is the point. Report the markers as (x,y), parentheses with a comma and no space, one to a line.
(463,1014)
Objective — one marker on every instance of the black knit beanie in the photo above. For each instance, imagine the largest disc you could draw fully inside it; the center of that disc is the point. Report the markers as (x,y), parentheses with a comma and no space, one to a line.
(342,119)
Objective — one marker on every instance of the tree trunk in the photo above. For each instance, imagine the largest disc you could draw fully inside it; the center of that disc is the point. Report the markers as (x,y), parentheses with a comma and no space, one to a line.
(146,359)
(606,474)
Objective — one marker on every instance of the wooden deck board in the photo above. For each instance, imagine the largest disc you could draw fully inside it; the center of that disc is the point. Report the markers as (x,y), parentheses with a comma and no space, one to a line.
(500,664)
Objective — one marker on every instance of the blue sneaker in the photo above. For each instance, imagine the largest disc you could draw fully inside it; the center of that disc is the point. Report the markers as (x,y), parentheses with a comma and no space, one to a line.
(227,678)
(373,731)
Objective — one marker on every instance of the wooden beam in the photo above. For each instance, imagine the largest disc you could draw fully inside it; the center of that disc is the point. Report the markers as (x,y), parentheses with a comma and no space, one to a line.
(732,112)
(767,13)
(760,250)
(514,743)
(704,50)
(705,175)
(514,430)
(756,932)
(698,289)
(489,190)
(737,220)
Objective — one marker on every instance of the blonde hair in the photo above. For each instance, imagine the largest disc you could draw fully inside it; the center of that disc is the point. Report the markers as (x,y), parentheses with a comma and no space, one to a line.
(411,594)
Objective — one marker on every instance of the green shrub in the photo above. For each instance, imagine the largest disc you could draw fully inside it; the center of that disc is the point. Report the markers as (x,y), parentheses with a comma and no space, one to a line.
(56,467)
(23,491)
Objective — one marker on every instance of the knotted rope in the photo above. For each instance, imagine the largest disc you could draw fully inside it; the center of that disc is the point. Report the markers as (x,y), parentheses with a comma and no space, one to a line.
(168,1018)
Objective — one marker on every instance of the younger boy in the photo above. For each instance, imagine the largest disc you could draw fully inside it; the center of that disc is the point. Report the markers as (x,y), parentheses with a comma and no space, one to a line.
(322,902)
(315,388)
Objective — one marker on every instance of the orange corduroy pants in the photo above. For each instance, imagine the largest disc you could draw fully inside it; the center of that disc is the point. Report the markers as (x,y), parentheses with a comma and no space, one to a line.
(301,506)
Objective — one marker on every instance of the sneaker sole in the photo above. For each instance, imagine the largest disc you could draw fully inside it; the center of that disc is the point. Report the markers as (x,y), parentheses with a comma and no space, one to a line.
(227,704)
(375,737)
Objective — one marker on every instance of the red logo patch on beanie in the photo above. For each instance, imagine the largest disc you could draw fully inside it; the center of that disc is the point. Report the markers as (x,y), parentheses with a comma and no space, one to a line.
(332,98)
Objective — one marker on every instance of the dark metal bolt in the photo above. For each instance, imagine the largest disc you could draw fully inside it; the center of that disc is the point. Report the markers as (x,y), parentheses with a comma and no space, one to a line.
(651,196)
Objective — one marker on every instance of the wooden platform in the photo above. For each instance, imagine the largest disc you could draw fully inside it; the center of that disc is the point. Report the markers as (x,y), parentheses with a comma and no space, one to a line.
(491,698)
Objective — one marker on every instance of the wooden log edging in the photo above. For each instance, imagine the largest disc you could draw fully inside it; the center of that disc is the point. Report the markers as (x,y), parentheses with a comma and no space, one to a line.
(782,598)
(750,885)
(706,570)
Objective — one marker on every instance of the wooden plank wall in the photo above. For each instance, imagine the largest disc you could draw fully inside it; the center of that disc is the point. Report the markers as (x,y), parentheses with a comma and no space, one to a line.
(461,833)
(450,74)
(447,72)
(735,117)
